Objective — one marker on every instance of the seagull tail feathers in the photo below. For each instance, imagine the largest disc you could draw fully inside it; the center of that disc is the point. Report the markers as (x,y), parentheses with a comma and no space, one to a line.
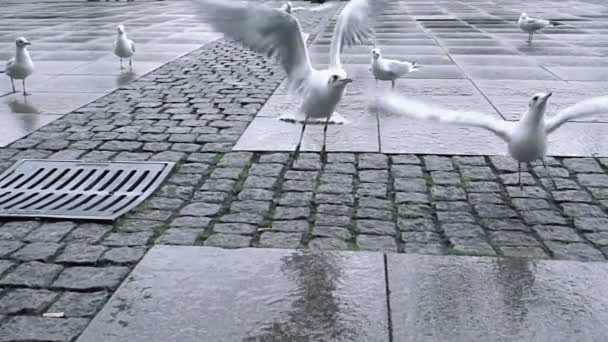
(555,23)
(415,67)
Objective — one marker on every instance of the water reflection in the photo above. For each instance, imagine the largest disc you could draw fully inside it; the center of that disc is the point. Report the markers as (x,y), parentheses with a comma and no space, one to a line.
(21,105)
(125,78)
(314,312)
(515,278)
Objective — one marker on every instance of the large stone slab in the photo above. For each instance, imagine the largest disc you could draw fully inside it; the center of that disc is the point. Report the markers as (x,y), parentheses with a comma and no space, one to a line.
(496,299)
(193,294)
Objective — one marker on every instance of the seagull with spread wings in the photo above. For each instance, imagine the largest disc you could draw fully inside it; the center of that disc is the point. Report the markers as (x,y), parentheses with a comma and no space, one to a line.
(276,33)
(526,138)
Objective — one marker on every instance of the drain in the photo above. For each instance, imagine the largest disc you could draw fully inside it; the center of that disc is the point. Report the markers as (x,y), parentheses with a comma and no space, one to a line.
(77,189)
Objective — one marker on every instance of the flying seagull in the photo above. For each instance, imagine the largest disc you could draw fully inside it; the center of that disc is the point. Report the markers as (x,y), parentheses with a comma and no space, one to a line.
(531,25)
(20,66)
(389,69)
(123,46)
(276,33)
(526,138)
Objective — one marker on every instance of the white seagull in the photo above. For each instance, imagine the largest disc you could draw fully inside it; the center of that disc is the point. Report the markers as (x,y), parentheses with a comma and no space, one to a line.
(531,25)
(526,138)
(123,46)
(389,69)
(20,66)
(274,32)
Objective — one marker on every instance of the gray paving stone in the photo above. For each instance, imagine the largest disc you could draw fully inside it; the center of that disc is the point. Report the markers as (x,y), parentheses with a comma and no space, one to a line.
(557,233)
(75,304)
(524,252)
(376,227)
(280,240)
(8,247)
(533,217)
(447,193)
(88,233)
(32,274)
(599,238)
(376,243)
(200,209)
(91,278)
(228,240)
(290,226)
(510,238)
(123,255)
(582,210)
(179,236)
(470,246)
(17,230)
(128,239)
(80,254)
(29,328)
(328,243)
(161,276)
(26,301)
(422,284)
(234,228)
(51,232)
(576,251)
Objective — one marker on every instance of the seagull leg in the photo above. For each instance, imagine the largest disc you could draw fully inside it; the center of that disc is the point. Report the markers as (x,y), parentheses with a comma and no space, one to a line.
(530,36)
(519,176)
(323,152)
(542,160)
(392,84)
(24,92)
(121,67)
(297,151)
(13,84)
(130,65)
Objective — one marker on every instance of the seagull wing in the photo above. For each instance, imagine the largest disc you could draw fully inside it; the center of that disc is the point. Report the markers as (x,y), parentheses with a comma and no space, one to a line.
(264,29)
(594,105)
(537,23)
(419,110)
(353,26)
(323,7)
(9,63)
(132,45)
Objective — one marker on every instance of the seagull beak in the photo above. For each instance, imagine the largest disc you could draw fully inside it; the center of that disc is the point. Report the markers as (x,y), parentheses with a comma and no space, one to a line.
(346,80)
(548,96)
(27,43)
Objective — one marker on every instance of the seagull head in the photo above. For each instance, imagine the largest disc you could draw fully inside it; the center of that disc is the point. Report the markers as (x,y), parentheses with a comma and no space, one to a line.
(523,15)
(338,80)
(120,28)
(21,42)
(376,53)
(538,102)
(288,7)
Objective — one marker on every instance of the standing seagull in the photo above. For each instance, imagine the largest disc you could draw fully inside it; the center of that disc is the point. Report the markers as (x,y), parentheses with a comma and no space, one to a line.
(531,25)
(123,46)
(526,138)
(20,66)
(389,69)
(274,32)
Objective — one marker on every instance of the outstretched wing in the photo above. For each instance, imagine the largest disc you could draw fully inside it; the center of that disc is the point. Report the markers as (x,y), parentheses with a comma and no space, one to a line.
(353,26)
(396,104)
(591,106)
(264,29)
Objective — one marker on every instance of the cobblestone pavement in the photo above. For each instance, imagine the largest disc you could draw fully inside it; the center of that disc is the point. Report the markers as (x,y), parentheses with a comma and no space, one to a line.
(192,111)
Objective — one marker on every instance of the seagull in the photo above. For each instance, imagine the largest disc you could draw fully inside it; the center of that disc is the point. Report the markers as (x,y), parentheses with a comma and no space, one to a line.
(20,66)
(276,33)
(123,46)
(389,69)
(526,138)
(531,25)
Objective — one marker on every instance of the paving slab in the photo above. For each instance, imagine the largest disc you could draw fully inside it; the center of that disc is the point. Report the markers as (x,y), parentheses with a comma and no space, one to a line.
(453,298)
(213,294)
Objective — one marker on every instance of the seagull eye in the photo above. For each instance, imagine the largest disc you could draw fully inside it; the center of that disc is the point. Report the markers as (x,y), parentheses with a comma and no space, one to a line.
(334,78)
(535,98)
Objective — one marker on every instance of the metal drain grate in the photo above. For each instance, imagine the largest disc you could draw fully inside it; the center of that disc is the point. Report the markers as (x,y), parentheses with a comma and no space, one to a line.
(77,189)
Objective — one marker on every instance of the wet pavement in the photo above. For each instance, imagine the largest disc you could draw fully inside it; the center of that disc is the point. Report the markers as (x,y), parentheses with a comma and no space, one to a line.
(473,57)
(199,293)
(72,53)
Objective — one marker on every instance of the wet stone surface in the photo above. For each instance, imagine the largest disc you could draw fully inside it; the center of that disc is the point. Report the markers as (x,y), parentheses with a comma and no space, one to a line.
(434,301)
(291,295)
